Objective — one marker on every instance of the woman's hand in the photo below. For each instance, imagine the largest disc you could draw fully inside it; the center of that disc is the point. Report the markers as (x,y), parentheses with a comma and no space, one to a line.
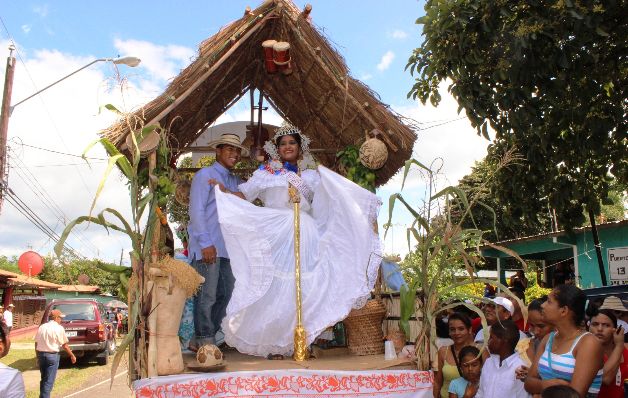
(521,372)
(618,337)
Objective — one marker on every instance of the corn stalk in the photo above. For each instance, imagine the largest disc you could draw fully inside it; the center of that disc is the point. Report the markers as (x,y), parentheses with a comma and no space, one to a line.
(439,245)
(142,196)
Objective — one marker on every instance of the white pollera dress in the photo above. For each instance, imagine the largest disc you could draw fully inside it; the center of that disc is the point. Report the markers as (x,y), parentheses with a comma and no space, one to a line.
(340,256)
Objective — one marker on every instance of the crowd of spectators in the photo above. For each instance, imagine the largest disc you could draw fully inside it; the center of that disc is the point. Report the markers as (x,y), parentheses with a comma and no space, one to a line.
(559,345)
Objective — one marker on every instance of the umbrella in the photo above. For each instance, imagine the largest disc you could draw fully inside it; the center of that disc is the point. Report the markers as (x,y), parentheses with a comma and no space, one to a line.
(116,304)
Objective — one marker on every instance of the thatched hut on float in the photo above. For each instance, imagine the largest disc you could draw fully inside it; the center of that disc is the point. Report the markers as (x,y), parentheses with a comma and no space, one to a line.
(309,86)
(319,95)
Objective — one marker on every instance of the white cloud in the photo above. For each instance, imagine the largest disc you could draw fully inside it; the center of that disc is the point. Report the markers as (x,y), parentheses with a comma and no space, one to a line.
(386,60)
(64,118)
(398,34)
(26,28)
(456,143)
(162,62)
(366,76)
(41,10)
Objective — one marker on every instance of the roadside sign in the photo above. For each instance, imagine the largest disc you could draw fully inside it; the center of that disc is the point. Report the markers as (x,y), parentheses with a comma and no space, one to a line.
(618,265)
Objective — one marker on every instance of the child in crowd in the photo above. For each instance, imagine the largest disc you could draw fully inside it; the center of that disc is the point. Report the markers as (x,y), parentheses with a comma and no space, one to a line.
(615,370)
(470,366)
(498,374)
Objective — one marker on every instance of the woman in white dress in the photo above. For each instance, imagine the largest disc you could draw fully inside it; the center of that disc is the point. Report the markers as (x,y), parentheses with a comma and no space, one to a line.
(340,252)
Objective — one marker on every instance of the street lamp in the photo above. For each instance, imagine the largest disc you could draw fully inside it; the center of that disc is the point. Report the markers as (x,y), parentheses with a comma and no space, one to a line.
(7,109)
(128,61)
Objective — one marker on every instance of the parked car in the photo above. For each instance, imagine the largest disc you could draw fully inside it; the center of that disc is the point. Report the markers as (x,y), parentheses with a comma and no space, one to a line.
(90,333)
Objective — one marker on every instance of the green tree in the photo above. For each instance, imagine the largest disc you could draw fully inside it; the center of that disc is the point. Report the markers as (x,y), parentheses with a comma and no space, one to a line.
(549,77)
(495,217)
(9,264)
(68,273)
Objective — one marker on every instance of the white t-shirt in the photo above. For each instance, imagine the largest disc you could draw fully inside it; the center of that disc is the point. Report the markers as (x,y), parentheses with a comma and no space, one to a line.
(8,318)
(499,380)
(50,337)
(11,382)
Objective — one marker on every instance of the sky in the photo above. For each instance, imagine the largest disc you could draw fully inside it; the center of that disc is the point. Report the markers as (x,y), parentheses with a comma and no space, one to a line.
(48,133)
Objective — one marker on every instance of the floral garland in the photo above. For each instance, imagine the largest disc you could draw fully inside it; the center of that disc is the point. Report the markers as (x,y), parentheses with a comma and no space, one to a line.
(276,167)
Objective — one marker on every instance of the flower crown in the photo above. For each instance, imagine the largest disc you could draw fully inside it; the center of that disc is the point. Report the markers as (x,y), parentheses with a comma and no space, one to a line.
(307,161)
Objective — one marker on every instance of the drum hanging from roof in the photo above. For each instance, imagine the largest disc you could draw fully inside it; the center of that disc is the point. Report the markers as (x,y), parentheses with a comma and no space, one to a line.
(281,57)
(268,56)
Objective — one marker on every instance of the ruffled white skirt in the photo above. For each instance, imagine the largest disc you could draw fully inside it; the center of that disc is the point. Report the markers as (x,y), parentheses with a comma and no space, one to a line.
(340,255)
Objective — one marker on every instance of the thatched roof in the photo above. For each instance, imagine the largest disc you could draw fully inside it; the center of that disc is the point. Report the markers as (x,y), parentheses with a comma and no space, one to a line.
(320,97)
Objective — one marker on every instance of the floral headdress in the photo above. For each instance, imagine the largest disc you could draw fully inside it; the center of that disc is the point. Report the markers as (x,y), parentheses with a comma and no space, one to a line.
(306,162)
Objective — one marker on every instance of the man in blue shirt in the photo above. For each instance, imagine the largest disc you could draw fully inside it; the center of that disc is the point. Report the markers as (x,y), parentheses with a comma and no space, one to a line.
(206,246)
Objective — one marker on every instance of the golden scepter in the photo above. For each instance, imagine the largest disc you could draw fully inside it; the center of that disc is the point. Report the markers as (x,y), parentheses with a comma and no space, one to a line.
(300,342)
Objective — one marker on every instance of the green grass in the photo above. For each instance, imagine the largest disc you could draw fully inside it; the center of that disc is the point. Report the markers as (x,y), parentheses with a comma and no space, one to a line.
(68,378)
(21,360)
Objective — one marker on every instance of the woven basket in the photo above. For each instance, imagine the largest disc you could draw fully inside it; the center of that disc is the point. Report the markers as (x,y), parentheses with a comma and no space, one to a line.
(364,329)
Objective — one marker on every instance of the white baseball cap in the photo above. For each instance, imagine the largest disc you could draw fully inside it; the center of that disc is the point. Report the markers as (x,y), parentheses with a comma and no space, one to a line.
(504,302)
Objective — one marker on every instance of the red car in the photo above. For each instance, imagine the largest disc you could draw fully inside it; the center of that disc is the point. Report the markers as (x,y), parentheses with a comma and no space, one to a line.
(90,333)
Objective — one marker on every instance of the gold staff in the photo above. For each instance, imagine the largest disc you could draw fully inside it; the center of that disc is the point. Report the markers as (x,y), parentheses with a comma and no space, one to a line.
(300,343)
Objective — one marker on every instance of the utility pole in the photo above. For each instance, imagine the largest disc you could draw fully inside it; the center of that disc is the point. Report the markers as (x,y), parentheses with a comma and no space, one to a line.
(121,255)
(4,121)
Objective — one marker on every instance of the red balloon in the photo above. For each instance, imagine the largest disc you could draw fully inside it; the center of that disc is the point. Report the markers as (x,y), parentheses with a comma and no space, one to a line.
(30,263)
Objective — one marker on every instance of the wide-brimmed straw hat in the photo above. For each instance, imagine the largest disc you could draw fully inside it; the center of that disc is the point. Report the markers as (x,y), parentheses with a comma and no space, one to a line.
(613,303)
(229,139)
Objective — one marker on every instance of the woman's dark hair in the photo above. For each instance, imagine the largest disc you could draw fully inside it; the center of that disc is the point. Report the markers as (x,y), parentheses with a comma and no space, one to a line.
(442,329)
(469,350)
(297,138)
(609,313)
(574,298)
(535,305)
(460,317)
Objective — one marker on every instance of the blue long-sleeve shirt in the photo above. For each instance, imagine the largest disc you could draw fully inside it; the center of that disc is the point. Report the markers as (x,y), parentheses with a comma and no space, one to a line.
(203,228)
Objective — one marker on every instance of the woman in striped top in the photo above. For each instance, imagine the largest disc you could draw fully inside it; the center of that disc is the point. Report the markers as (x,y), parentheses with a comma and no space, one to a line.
(569,355)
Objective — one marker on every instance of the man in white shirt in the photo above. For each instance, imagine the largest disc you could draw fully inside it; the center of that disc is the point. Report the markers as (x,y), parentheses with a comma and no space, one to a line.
(8,316)
(11,381)
(498,373)
(49,341)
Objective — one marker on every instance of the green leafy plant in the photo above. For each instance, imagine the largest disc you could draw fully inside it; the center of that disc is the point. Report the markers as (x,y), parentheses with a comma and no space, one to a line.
(439,246)
(354,170)
(149,185)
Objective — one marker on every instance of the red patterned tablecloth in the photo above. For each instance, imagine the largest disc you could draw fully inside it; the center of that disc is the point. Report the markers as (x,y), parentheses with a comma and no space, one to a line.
(290,383)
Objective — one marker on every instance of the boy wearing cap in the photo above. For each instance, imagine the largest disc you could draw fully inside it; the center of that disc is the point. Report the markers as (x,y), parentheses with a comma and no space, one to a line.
(207,251)
(49,340)
(8,316)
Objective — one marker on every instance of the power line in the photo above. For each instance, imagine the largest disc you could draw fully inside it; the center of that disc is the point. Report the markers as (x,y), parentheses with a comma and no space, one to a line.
(34,218)
(443,123)
(62,164)
(58,152)
(44,197)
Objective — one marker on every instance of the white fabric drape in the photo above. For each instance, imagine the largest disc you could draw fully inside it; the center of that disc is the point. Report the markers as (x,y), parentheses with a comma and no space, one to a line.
(340,255)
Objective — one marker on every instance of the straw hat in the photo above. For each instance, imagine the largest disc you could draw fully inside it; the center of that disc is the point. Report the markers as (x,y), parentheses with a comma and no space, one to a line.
(229,139)
(613,303)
